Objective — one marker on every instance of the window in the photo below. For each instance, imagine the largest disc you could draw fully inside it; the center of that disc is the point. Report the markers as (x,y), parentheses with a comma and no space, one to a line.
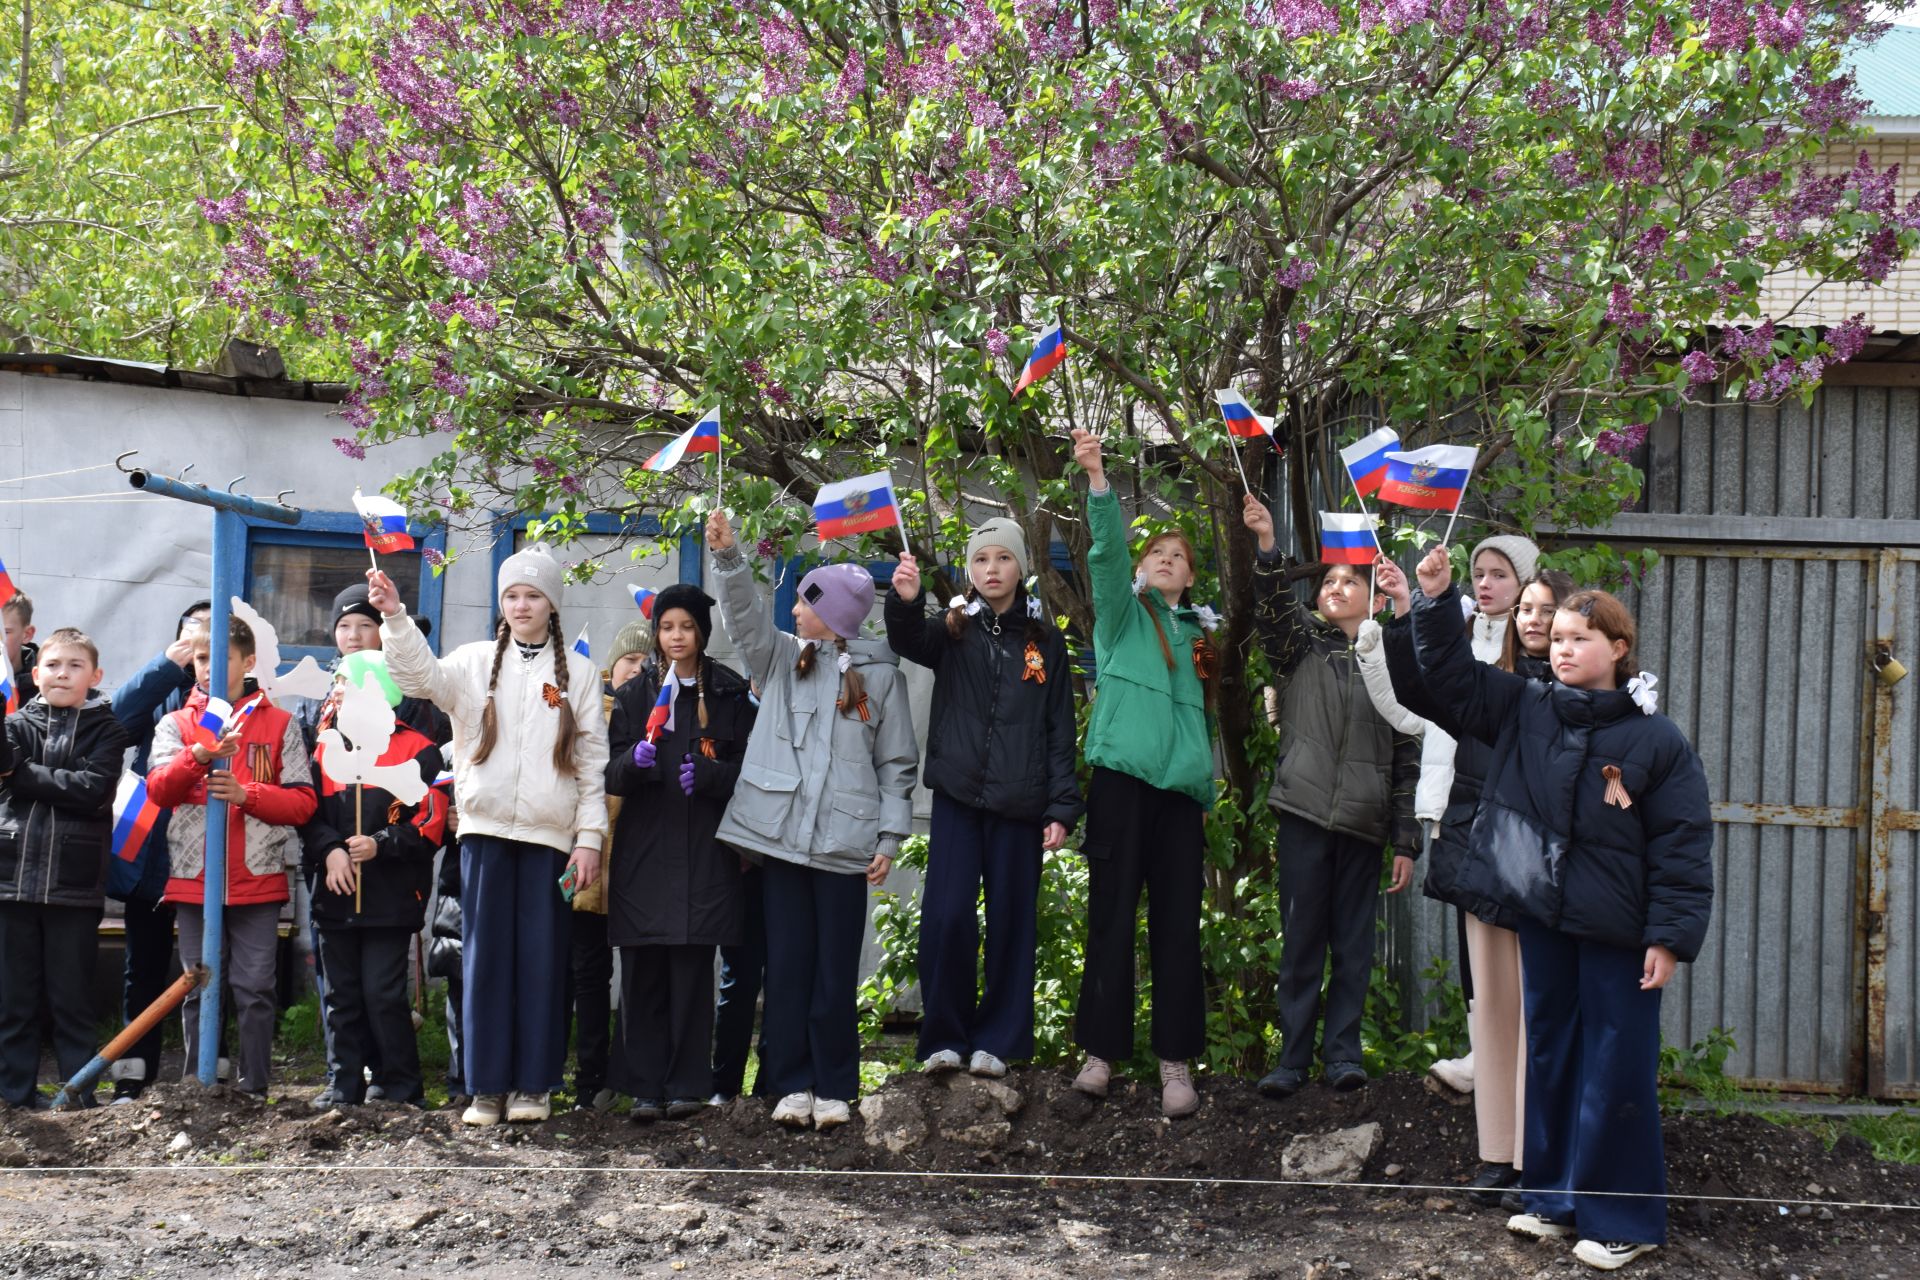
(293,572)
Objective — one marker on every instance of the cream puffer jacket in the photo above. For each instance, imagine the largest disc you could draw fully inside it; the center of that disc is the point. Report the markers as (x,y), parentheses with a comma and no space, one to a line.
(1436,746)
(515,793)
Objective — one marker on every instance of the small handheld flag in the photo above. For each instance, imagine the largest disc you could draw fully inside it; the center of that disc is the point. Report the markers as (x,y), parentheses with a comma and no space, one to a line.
(215,715)
(386,523)
(643,598)
(1348,538)
(1048,354)
(1242,421)
(859,505)
(1366,460)
(702,437)
(1429,479)
(134,814)
(580,645)
(7,590)
(9,690)
(662,712)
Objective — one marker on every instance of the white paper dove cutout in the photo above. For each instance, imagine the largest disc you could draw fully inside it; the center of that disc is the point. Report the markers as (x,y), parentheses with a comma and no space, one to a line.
(361,729)
(307,679)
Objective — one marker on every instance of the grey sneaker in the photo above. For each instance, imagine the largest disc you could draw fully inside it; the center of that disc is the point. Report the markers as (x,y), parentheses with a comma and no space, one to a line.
(985,1064)
(1094,1077)
(1178,1097)
(941,1062)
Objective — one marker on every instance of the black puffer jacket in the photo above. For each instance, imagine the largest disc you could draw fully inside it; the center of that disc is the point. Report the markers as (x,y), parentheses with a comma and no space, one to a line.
(1001,736)
(1545,843)
(669,882)
(56,803)
(1471,760)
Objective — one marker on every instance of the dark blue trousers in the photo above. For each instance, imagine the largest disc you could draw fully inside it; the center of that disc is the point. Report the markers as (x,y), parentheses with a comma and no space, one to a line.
(810,1037)
(514,953)
(1593,1106)
(742,970)
(969,847)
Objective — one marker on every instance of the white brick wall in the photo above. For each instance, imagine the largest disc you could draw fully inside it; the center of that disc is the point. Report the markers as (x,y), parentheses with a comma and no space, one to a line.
(1892,306)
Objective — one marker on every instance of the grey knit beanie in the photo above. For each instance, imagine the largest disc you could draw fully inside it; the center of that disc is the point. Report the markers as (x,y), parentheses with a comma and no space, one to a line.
(534,567)
(1000,532)
(841,595)
(1520,553)
(635,637)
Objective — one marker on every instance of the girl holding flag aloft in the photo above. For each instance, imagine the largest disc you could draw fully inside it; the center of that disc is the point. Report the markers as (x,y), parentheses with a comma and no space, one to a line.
(825,796)
(1000,763)
(530,757)
(1150,745)
(680,729)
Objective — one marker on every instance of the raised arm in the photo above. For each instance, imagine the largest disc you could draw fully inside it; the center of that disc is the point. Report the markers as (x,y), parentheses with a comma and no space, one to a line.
(1478,697)
(744,612)
(911,631)
(411,663)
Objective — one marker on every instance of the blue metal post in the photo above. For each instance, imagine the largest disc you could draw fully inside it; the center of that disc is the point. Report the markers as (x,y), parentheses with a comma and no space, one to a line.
(229,567)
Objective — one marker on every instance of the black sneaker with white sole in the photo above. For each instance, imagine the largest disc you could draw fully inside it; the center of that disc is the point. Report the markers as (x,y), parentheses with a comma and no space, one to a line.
(1610,1255)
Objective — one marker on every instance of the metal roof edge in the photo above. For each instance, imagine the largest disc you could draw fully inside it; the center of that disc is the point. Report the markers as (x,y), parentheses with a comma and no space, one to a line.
(41,364)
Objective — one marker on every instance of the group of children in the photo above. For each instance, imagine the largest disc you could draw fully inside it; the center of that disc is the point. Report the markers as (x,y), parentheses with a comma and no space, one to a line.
(1510,741)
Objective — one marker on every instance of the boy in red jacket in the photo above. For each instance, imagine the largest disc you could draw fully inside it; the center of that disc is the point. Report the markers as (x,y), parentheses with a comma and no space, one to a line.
(267,782)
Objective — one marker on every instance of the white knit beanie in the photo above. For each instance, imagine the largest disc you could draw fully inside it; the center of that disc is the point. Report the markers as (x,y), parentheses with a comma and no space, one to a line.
(1000,532)
(534,567)
(1520,553)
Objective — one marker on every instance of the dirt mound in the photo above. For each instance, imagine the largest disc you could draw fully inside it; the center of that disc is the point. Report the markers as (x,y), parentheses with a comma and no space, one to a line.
(632,1194)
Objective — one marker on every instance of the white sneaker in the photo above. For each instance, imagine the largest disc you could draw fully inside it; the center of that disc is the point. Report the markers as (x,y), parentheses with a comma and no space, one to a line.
(1535,1227)
(941,1062)
(795,1110)
(1609,1257)
(985,1064)
(529,1108)
(1455,1073)
(828,1113)
(483,1111)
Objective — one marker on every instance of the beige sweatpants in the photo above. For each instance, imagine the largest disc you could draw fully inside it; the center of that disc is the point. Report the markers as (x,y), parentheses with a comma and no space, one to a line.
(1498,1026)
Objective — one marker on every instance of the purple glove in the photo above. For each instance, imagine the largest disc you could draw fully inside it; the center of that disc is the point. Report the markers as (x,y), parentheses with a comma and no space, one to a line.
(644,754)
(686,775)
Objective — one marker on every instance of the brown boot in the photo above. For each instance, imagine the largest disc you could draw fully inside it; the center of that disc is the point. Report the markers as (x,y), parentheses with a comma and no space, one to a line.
(1177,1095)
(1094,1077)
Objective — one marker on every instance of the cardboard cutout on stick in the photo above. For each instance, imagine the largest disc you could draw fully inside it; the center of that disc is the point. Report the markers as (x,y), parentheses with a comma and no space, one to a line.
(307,679)
(361,730)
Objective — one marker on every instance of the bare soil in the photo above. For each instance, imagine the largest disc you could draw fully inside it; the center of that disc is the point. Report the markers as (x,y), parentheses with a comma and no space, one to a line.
(193,1182)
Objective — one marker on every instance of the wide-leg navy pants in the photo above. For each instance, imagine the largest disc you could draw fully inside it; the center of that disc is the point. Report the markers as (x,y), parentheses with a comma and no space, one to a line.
(513,952)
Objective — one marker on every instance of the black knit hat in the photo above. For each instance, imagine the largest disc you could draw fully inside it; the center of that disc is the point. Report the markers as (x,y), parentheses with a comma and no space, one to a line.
(697,604)
(354,600)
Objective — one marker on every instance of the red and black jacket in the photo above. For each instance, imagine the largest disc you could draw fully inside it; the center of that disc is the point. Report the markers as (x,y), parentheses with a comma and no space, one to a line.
(396,884)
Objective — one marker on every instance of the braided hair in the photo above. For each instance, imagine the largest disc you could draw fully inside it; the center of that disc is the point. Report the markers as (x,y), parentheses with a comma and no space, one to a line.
(853,689)
(489,716)
(1206,657)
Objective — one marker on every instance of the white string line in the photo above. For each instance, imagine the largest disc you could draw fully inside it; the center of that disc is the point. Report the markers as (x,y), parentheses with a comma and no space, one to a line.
(49,475)
(110,495)
(925,1174)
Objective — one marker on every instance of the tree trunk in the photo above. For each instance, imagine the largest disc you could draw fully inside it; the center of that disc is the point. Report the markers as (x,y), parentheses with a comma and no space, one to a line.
(26,66)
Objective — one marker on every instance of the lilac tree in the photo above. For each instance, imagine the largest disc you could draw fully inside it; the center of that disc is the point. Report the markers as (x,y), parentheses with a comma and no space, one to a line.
(556,230)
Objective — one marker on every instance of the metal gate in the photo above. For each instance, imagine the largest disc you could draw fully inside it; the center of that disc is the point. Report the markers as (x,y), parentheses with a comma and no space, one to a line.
(1766,658)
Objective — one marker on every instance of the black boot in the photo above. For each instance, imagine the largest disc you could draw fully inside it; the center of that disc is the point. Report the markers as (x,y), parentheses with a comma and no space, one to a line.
(1491,1183)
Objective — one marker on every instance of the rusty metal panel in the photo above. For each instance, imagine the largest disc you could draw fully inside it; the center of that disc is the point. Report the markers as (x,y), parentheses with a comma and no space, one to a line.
(1893,941)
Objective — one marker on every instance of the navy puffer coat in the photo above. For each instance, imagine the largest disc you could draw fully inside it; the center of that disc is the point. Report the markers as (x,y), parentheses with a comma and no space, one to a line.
(1546,844)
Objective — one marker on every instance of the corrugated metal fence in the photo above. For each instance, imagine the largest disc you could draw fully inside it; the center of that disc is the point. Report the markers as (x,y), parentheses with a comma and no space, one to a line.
(1790,542)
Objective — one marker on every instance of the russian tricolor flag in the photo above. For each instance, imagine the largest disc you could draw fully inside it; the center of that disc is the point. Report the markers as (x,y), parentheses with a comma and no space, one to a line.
(702,437)
(1242,421)
(134,814)
(215,715)
(1430,479)
(9,690)
(1348,539)
(1048,354)
(580,645)
(1366,459)
(859,505)
(662,713)
(385,521)
(7,590)
(643,598)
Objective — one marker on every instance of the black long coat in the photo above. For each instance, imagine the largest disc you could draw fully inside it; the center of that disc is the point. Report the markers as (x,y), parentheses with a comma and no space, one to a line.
(671,883)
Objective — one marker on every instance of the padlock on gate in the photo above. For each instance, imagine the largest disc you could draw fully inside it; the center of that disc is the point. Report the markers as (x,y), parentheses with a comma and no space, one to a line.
(1889,669)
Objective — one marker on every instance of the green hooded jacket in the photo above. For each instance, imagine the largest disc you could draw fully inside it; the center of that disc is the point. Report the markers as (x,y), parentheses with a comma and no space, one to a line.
(1148,722)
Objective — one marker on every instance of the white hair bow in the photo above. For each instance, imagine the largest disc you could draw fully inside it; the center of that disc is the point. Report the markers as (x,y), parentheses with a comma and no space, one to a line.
(971,606)
(844,663)
(1208,616)
(1640,689)
(1034,608)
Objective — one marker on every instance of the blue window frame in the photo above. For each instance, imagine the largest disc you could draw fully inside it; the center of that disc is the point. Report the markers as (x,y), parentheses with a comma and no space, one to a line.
(293,573)
(508,528)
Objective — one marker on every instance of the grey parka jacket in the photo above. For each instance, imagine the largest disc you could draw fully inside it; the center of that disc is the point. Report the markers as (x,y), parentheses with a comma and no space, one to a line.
(818,788)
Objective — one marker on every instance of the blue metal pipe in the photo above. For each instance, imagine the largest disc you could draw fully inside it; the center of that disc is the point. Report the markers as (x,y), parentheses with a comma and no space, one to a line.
(218,499)
(227,575)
